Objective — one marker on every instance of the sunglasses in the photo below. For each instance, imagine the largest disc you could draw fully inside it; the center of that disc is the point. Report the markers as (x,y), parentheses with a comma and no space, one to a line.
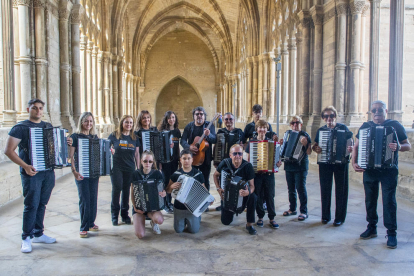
(199,114)
(228,119)
(237,153)
(380,110)
(148,161)
(328,116)
(294,123)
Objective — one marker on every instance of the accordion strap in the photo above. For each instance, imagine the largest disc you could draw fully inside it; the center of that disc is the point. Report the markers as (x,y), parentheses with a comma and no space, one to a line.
(145,177)
(233,173)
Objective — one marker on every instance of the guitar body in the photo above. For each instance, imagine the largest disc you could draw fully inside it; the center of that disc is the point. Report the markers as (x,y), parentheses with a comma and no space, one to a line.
(198,159)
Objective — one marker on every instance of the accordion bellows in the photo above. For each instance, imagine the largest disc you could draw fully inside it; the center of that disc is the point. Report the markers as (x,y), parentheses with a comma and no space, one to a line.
(292,148)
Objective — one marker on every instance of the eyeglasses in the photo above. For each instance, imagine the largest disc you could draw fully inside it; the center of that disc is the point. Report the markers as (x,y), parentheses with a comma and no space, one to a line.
(199,114)
(228,119)
(328,116)
(294,123)
(237,153)
(148,161)
(379,110)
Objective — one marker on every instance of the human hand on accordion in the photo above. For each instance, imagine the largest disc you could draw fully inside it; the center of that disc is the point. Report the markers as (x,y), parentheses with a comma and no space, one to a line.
(163,193)
(350,148)
(304,141)
(279,163)
(139,211)
(176,186)
(317,148)
(69,141)
(221,193)
(244,192)
(393,146)
(275,138)
(357,168)
(112,150)
(30,170)
(281,141)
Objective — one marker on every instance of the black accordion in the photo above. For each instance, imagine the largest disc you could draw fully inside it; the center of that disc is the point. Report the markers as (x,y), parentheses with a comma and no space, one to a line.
(232,201)
(292,149)
(334,144)
(159,143)
(93,157)
(146,195)
(373,149)
(48,148)
(222,148)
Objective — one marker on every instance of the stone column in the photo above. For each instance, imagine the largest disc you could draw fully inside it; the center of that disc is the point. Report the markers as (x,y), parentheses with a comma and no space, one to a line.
(94,82)
(84,73)
(374,36)
(355,65)
(89,80)
(121,112)
(284,91)
(9,112)
(238,97)
(299,64)
(395,80)
(76,65)
(340,67)
(315,119)
(25,60)
(249,89)
(272,91)
(255,96)
(16,43)
(66,117)
(305,68)
(361,110)
(100,95)
(292,76)
(265,89)
(106,88)
(115,88)
(111,96)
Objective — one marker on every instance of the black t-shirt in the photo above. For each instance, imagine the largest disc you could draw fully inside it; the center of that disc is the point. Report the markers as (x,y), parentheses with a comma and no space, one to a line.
(198,131)
(246,173)
(338,126)
(176,135)
(124,157)
(153,175)
(21,131)
(236,131)
(200,178)
(250,131)
(292,166)
(399,129)
(139,135)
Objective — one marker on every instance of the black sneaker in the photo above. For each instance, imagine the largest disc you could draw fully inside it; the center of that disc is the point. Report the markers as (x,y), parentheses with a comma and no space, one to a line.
(115,222)
(126,220)
(369,233)
(392,240)
(251,230)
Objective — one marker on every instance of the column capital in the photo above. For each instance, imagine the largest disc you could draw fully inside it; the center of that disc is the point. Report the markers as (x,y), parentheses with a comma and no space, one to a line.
(357,7)
(64,14)
(76,14)
(23,2)
(317,14)
(342,9)
(37,4)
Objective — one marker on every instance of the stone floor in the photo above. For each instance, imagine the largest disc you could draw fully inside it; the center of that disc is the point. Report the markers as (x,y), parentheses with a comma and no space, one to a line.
(297,248)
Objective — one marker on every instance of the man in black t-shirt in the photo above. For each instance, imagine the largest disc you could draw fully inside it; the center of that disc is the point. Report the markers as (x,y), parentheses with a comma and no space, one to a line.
(236,166)
(387,177)
(37,186)
(249,130)
(197,128)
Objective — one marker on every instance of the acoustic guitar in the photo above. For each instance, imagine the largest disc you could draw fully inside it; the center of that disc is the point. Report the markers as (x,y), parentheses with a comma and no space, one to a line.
(202,145)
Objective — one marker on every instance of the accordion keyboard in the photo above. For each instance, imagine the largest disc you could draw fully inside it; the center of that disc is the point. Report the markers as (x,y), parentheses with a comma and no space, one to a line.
(83,157)
(323,144)
(37,149)
(146,144)
(362,148)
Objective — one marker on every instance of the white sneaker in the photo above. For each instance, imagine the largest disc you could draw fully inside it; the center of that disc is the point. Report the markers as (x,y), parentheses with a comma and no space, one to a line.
(26,245)
(155,228)
(44,239)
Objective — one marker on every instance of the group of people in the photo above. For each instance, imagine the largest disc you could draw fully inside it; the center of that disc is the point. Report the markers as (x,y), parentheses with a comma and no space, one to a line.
(132,164)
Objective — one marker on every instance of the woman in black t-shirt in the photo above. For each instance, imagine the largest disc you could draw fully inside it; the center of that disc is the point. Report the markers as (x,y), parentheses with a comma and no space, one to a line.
(181,215)
(170,122)
(87,187)
(126,154)
(148,171)
(143,124)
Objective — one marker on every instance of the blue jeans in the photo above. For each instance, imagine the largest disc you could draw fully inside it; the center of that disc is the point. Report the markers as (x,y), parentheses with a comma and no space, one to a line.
(36,192)
(296,181)
(388,179)
(88,201)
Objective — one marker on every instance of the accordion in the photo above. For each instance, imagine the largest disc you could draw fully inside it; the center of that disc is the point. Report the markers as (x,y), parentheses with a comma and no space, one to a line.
(232,201)
(373,150)
(48,148)
(146,195)
(268,153)
(334,144)
(222,148)
(193,195)
(159,143)
(292,148)
(93,157)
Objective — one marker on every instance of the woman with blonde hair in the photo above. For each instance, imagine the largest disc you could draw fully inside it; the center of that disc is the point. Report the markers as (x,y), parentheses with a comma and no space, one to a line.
(147,172)
(125,159)
(87,186)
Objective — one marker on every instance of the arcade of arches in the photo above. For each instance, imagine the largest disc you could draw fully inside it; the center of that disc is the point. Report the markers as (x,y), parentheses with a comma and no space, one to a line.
(116,57)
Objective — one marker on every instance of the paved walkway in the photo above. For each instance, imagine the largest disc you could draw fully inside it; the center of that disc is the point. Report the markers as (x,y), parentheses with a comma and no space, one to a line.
(297,248)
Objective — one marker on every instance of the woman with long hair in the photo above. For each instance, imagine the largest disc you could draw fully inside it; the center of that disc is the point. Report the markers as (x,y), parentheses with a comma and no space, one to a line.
(143,124)
(125,158)
(87,186)
(147,172)
(170,123)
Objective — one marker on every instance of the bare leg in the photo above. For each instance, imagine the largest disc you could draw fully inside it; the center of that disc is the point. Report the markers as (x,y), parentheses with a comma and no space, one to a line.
(156,217)
(139,225)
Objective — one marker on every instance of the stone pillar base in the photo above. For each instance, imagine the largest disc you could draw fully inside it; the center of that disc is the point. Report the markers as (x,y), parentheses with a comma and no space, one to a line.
(395,115)
(21,116)
(9,118)
(313,124)
(284,119)
(354,120)
(305,119)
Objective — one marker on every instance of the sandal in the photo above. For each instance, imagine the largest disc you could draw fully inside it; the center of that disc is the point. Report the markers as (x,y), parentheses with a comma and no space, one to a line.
(302,217)
(289,213)
(94,228)
(83,234)
(259,222)
(274,225)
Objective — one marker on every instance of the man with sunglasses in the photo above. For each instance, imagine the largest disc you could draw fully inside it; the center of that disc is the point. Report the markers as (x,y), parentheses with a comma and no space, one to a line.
(328,171)
(229,129)
(197,128)
(387,177)
(236,166)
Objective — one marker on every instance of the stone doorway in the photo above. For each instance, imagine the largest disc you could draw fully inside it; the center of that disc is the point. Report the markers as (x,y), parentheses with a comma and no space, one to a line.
(179,96)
